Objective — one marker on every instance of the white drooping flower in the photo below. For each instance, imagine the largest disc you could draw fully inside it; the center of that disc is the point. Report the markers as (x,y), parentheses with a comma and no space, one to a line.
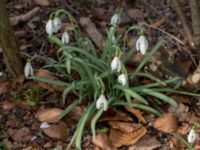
(116,64)
(50,27)
(28,70)
(114,20)
(191,136)
(102,102)
(122,79)
(142,44)
(56,24)
(65,38)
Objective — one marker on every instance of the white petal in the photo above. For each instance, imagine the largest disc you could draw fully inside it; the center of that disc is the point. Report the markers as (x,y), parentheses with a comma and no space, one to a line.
(49,27)
(116,64)
(138,45)
(114,19)
(102,102)
(28,70)
(65,38)
(44,125)
(143,45)
(122,79)
(56,24)
(192,136)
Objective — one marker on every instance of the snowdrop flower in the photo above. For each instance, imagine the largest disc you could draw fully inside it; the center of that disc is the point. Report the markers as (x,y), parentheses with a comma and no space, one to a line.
(113,39)
(114,19)
(65,38)
(142,44)
(191,136)
(102,101)
(116,64)
(50,27)
(28,70)
(122,79)
(44,125)
(56,24)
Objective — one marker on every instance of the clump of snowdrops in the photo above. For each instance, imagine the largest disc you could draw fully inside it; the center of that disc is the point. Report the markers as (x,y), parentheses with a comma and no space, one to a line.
(102,79)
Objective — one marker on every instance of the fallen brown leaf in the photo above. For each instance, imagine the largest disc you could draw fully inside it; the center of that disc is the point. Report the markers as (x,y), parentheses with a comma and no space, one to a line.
(50,115)
(137,113)
(135,13)
(103,142)
(119,138)
(48,75)
(21,135)
(7,105)
(13,123)
(59,131)
(124,126)
(4,87)
(42,2)
(115,115)
(91,29)
(146,143)
(25,17)
(166,123)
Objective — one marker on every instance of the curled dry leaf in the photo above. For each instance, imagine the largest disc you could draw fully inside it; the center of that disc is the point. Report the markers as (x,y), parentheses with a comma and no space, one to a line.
(146,143)
(59,131)
(124,126)
(120,138)
(166,123)
(46,74)
(137,113)
(50,115)
(103,142)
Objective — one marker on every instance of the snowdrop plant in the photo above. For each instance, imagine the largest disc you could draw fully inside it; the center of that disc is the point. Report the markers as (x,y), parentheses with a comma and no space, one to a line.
(28,70)
(142,44)
(65,38)
(100,78)
(191,136)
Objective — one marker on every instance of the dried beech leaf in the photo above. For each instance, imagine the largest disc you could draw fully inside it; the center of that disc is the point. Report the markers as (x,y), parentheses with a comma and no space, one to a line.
(146,143)
(119,138)
(59,131)
(166,123)
(50,115)
(124,126)
(103,142)
(116,115)
(42,2)
(48,75)
(137,113)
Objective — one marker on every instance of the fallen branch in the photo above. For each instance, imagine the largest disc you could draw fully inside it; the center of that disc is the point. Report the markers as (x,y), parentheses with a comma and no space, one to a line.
(25,17)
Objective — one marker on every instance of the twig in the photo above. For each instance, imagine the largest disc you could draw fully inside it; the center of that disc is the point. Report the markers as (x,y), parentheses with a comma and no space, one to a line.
(25,17)
(170,35)
(182,17)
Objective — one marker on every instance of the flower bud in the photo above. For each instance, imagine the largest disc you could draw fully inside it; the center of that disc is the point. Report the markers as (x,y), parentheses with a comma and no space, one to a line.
(122,79)
(65,38)
(28,70)
(56,24)
(142,44)
(191,136)
(50,27)
(102,102)
(116,64)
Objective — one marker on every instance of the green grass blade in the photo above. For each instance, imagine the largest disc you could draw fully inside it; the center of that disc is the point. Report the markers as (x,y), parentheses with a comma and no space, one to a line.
(160,96)
(139,106)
